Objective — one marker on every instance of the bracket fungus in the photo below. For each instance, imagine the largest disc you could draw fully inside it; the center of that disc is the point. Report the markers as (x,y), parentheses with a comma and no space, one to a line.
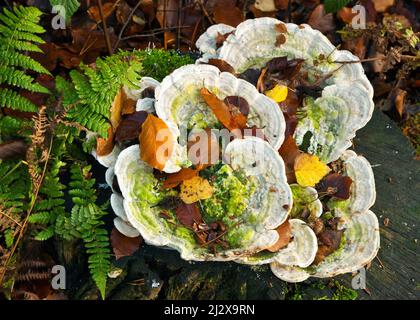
(313,222)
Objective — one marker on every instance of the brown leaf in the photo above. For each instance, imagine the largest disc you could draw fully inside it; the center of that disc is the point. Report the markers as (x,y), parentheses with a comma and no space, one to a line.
(400,101)
(124,246)
(188,214)
(13,149)
(222,111)
(382,5)
(328,241)
(156,142)
(222,65)
(93,11)
(346,14)
(128,105)
(284,69)
(321,21)
(230,15)
(105,146)
(130,126)
(285,235)
(336,185)
(174,179)
(289,151)
(238,102)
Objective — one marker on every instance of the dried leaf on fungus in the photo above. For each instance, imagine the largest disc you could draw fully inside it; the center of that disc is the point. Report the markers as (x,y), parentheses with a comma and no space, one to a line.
(194,189)
(174,179)
(336,185)
(104,146)
(188,214)
(156,142)
(289,151)
(285,235)
(130,126)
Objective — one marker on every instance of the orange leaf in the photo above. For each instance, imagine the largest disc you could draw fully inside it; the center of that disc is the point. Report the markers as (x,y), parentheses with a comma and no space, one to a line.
(105,146)
(156,142)
(222,111)
(285,235)
(175,179)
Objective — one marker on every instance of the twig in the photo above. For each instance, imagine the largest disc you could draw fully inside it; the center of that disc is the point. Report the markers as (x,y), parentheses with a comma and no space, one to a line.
(108,41)
(10,218)
(360,61)
(151,34)
(220,235)
(125,25)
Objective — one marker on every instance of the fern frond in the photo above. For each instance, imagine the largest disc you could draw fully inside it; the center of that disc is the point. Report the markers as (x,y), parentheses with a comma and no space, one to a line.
(13,77)
(13,100)
(17,59)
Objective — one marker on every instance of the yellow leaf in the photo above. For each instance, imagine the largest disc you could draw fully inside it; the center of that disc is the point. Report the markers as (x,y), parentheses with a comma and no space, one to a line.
(194,189)
(309,170)
(278,93)
(156,142)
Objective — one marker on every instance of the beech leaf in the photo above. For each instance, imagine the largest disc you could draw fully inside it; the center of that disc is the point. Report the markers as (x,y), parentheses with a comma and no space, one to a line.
(156,142)
(336,185)
(285,235)
(124,246)
(175,179)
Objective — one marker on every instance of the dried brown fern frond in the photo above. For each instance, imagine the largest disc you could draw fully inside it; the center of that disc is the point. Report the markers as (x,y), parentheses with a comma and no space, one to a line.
(9,219)
(38,151)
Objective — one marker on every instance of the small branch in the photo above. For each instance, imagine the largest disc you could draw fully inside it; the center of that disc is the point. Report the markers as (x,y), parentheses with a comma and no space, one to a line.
(126,25)
(108,41)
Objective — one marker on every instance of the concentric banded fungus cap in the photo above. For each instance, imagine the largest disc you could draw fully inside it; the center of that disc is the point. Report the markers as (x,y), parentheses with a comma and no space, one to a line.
(361,232)
(256,231)
(361,228)
(346,104)
(300,251)
(208,41)
(180,105)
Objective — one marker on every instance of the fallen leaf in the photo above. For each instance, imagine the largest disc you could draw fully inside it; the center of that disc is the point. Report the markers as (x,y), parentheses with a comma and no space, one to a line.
(320,20)
(93,12)
(156,142)
(282,68)
(130,126)
(188,214)
(128,105)
(382,5)
(104,146)
(116,108)
(238,102)
(309,170)
(194,189)
(222,111)
(336,185)
(230,15)
(328,241)
(265,5)
(346,14)
(278,93)
(222,65)
(400,101)
(13,149)
(174,179)
(124,246)
(289,151)
(285,235)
